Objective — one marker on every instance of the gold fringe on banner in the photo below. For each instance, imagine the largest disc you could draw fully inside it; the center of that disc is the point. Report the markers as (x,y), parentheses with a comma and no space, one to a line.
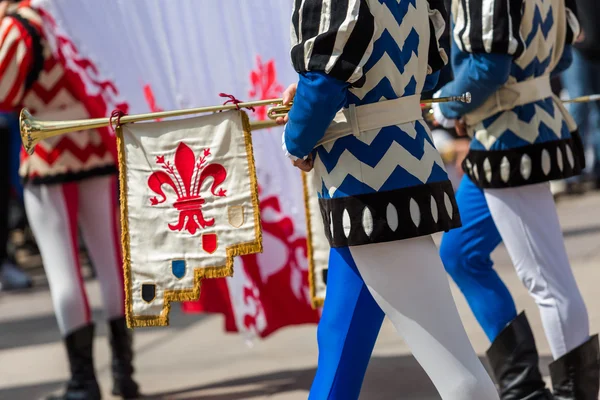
(316,302)
(199,273)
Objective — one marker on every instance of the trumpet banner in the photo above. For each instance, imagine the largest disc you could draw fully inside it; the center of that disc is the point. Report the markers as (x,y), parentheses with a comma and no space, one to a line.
(189,205)
(318,251)
(158,55)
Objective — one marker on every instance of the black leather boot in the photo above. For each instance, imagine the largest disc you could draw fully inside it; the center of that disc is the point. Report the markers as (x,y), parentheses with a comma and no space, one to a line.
(83,384)
(122,360)
(576,375)
(514,359)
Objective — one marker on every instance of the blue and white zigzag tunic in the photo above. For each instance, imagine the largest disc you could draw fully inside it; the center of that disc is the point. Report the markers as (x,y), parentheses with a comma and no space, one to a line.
(503,42)
(385,184)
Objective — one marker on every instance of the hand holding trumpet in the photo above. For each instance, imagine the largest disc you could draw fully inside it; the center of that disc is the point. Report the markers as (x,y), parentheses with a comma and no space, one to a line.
(288,96)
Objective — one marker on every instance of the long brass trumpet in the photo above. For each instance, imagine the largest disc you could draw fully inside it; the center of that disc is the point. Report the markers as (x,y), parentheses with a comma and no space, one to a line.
(33,130)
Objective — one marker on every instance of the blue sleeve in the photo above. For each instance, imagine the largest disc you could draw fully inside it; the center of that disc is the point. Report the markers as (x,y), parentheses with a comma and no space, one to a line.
(565,61)
(481,74)
(431,80)
(318,98)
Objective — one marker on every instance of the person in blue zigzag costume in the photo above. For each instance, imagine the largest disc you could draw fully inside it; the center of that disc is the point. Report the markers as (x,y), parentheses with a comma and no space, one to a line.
(382,189)
(522,137)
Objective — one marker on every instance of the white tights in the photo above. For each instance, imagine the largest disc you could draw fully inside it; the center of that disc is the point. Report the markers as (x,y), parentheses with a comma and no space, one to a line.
(527,221)
(408,281)
(54,212)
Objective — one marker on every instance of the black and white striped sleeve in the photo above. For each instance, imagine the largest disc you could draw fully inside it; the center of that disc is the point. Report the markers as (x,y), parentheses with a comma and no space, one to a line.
(332,36)
(488,26)
(573,27)
(437,26)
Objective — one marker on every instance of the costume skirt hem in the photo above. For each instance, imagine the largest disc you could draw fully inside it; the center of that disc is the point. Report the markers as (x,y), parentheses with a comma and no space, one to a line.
(527,165)
(391,215)
(70,176)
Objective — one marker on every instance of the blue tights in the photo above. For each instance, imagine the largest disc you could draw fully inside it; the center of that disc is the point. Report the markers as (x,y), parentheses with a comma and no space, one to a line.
(419,304)
(466,254)
(343,363)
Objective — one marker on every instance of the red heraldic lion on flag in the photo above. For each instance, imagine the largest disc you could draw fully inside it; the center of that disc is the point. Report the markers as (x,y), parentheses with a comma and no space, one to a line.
(189,206)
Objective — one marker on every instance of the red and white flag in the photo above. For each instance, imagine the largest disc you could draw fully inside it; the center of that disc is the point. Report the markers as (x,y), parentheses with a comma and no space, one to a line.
(189,205)
(166,55)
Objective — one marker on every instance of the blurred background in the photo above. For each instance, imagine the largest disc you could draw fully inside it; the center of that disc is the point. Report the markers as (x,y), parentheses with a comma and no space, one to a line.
(195,357)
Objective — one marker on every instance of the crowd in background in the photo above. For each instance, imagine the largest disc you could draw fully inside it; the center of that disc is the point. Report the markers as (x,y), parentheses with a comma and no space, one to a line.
(581,79)
(12,213)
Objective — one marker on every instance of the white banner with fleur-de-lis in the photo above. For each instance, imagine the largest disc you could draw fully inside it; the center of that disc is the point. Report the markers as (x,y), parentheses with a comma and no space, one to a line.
(182,54)
(189,206)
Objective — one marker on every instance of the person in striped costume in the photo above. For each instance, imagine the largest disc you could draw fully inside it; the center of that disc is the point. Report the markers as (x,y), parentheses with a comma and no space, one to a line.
(69,182)
(505,52)
(382,188)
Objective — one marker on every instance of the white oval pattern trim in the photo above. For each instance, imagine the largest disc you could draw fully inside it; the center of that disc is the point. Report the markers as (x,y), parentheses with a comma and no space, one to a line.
(469,166)
(525,166)
(504,169)
(487,168)
(415,212)
(475,172)
(392,217)
(331,223)
(434,210)
(546,163)
(559,159)
(448,204)
(367,221)
(346,223)
(570,157)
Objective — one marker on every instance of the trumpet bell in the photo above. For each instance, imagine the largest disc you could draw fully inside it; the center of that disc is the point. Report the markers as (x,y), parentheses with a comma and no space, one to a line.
(33,130)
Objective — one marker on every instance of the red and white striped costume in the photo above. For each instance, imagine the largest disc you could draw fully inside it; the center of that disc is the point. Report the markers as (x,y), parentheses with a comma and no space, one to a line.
(52,97)
(70,180)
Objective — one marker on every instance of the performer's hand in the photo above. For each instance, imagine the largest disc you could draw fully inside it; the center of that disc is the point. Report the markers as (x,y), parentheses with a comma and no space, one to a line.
(3,8)
(461,127)
(288,97)
(439,119)
(304,165)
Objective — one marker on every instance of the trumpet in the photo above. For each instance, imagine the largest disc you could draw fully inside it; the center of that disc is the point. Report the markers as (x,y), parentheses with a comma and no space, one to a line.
(34,130)
(428,110)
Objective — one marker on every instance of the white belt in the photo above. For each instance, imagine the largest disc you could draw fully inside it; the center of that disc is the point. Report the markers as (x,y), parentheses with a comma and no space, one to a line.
(511,96)
(357,119)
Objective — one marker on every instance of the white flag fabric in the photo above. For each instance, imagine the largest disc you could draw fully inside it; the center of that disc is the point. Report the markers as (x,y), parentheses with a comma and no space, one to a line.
(167,55)
(189,205)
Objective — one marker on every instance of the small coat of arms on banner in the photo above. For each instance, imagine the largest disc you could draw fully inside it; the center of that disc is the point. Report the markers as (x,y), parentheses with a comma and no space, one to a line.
(189,205)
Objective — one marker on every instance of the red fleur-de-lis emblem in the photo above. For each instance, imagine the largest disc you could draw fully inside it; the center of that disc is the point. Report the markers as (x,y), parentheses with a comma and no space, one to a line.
(264,85)
(185,177)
